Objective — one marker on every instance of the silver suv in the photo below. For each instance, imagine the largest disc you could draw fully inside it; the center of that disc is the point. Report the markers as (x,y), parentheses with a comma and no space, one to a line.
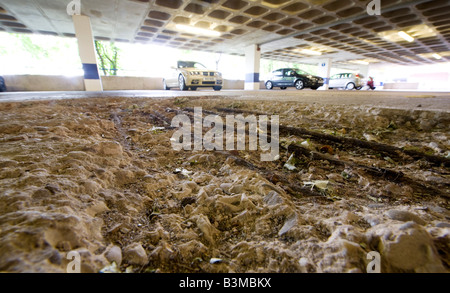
(348,81)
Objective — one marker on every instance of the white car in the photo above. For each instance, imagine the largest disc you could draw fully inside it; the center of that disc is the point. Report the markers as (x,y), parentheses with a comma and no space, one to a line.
(192,75)
(348,81)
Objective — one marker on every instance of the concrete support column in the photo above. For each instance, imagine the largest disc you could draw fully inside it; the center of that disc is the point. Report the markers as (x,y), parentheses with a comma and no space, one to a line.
(86,47)
(325,72)
(252,66)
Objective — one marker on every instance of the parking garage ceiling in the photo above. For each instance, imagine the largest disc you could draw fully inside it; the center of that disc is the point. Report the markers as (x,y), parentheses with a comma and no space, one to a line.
(285,29)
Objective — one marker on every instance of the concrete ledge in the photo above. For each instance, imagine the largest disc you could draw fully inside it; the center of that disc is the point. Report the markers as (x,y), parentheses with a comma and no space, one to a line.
(51,83)
(116,83)
(229,84)
(401,86)
(38,83)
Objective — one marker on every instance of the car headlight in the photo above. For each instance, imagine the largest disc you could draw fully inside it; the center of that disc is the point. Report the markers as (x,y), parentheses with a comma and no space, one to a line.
(194,73)
(218,74)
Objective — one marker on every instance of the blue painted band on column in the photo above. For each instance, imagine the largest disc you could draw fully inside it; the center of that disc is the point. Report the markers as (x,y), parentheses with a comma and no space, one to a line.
(252,77)
(90,71)
(326,81)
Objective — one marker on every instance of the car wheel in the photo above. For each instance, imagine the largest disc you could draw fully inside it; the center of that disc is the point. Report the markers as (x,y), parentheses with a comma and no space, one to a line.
(193,88)
(350,86)
(283,88)
(299,84)
(182,83)
(269,85)
(217,88)
(166,88)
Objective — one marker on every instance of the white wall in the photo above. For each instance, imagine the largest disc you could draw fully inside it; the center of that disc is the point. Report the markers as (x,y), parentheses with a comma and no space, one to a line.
(433,77)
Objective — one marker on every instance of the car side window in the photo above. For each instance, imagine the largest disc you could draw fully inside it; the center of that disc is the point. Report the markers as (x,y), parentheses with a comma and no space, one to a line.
(289,73)
(336,76)
(278,73)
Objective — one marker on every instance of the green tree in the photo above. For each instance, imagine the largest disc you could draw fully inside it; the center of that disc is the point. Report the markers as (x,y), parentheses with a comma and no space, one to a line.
(41,47)
(108,56)
(36,51)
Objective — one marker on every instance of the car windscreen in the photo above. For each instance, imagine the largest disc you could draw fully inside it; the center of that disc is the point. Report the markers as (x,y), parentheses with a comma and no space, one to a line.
(301,72)
(187,64)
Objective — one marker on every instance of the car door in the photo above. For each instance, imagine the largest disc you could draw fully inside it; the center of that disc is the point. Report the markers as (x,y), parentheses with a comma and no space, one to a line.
(334,81)
(277,77)
(346,78)
(289,77)
(343,80)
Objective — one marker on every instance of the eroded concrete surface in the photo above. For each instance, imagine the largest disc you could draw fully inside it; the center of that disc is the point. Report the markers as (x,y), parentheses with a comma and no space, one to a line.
(96,174)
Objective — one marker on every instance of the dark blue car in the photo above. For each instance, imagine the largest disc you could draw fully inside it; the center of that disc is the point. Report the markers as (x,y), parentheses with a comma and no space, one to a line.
(291,77)
(2,84)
